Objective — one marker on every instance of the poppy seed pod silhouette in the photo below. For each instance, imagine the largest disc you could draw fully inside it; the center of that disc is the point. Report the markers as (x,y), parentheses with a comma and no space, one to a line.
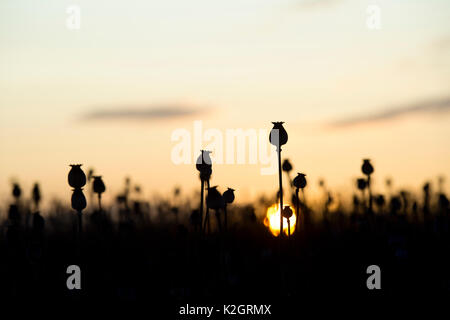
(36,195)
(228,196)
(361,183)
(98,185)
(204,165)
(379,200)
(287,212)
(17,191)
(367,167)
(78,200)
(300,180)
(76,178)
(287,166)
(214,199)
(278,135)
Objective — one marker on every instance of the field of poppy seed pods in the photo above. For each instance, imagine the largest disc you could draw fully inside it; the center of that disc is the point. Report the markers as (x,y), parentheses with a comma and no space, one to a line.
(172,249)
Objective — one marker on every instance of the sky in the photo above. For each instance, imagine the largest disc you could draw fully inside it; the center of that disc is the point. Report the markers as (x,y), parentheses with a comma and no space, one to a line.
(110,94)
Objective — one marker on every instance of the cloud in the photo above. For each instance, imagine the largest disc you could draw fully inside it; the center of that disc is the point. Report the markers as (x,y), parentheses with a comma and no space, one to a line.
(442,44)
(313,4)
(136,113)
(431,106)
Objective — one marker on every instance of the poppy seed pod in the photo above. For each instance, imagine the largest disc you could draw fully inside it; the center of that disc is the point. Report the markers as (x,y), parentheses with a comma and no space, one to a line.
(228,195)
(76,178)
(367,167)
(78,200)
(287,212)
(278,135)
(203,161)
(379,200)
(36,194)
(300,180)
(361,183)
(214,199)
(16,192)
(204,165)
(99,186)
(287,166)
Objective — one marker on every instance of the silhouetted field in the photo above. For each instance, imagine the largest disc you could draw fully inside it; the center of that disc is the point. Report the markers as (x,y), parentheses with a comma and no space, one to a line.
(131,252)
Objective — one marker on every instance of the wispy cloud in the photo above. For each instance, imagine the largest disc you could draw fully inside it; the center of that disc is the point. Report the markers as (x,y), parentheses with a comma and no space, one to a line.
(141,113)
(430,106)
(313,4)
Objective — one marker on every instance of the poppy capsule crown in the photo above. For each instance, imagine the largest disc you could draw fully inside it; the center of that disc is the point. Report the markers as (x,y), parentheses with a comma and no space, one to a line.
(367,168)
(76,178)
(287,212)
(300,180)
(361,183)
(99,186)
(214,199)
(278,135)
(287,166)
(228,195)
(78,200)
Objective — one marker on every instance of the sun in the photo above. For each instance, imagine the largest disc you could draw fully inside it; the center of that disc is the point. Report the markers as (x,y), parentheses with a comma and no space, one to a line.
(272,220)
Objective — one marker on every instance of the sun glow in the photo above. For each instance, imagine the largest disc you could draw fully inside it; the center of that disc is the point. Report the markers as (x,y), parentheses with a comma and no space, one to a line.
(272,220)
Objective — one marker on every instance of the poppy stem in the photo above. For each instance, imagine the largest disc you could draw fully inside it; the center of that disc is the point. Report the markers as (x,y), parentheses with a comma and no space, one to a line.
(99,202)
(289,229)
(225,217)
(80,230)
(201,202)
(281,190)
(80,223)
(297,201)
(370,193)
(207,213)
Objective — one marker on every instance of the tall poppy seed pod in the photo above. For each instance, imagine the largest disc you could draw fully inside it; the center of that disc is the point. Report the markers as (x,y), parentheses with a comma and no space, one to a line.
(203,161)
(278,135)
(361,183)
(76,178)
(367,167)
(287,166)
(17,191)
(300,180)
(78,200)
(228,196)
(204,165)
(99,186)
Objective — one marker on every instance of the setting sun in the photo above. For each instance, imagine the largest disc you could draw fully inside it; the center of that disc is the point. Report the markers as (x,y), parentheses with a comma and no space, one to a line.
(272,220)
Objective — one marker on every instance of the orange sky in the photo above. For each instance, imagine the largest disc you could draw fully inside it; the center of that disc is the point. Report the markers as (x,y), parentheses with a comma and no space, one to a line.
(239,64)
